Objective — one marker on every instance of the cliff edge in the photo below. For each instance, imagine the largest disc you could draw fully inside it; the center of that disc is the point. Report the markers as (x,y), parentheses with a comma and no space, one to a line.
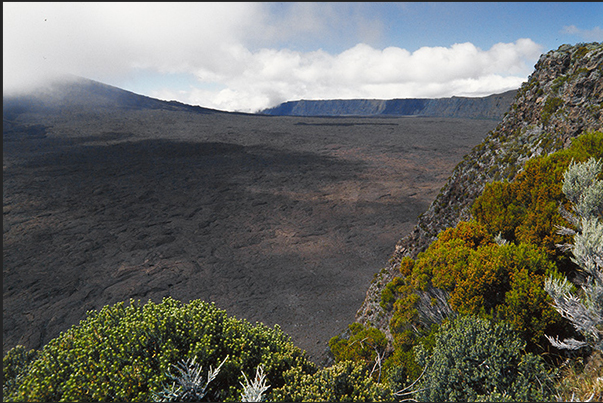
(490,107)
(561,99)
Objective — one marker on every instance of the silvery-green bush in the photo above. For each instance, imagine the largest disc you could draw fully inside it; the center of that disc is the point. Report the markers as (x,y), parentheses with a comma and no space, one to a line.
(190,384)
(584,306)
(253,390)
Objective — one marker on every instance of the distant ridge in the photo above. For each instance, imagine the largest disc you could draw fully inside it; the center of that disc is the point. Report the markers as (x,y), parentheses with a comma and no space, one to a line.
(490,107)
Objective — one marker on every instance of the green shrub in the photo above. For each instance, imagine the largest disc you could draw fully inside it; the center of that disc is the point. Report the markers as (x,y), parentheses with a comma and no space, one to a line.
(15,364)
(550,107)
(482,278)
(346,381)
(388,294)
(401,368)
(475,360)
(494,266)
(471,233)
(507,282)
(527,209)
(405,314)
(365,345)
(127,353)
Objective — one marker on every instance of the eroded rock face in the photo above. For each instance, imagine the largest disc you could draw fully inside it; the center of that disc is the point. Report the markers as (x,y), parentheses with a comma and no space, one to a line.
(490,107)
(561,99)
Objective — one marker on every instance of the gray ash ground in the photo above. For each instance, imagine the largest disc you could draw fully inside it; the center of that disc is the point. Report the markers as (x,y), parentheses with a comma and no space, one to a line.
(281,220)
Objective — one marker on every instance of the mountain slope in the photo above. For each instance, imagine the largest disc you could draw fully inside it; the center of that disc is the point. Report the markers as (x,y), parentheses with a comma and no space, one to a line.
(76,93)
(490,107)
(561,99)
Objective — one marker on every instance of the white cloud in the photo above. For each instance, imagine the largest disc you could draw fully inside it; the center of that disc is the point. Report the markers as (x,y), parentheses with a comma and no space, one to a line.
(271,76)
(590,35)
(246,56)
(105,41)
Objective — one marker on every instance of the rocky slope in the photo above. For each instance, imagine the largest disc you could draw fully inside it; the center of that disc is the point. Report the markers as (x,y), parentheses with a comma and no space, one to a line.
(490,107)
(561,99)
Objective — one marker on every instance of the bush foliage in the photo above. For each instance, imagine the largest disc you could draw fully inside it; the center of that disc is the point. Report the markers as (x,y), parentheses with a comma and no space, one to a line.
(365,344)
(526,210)
(482,278)
(131,353)
(345,381)
(477,360)
(584,309)
(126,353)
(496,264)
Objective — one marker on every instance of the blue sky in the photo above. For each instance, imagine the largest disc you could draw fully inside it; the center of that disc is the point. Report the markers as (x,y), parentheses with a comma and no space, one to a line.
(251,56)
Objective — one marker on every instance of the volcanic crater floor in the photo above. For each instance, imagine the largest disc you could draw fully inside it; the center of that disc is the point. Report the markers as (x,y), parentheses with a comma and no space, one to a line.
(280,220)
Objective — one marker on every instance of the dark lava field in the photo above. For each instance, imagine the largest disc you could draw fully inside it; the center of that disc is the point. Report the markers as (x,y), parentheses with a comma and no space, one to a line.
(281,220)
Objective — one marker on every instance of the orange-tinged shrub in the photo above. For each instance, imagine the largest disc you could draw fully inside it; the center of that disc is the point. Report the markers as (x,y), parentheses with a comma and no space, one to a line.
(471,233)
(527,209)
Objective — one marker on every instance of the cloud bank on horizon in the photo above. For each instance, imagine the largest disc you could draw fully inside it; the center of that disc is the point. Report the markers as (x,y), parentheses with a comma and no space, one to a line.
(251,56)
